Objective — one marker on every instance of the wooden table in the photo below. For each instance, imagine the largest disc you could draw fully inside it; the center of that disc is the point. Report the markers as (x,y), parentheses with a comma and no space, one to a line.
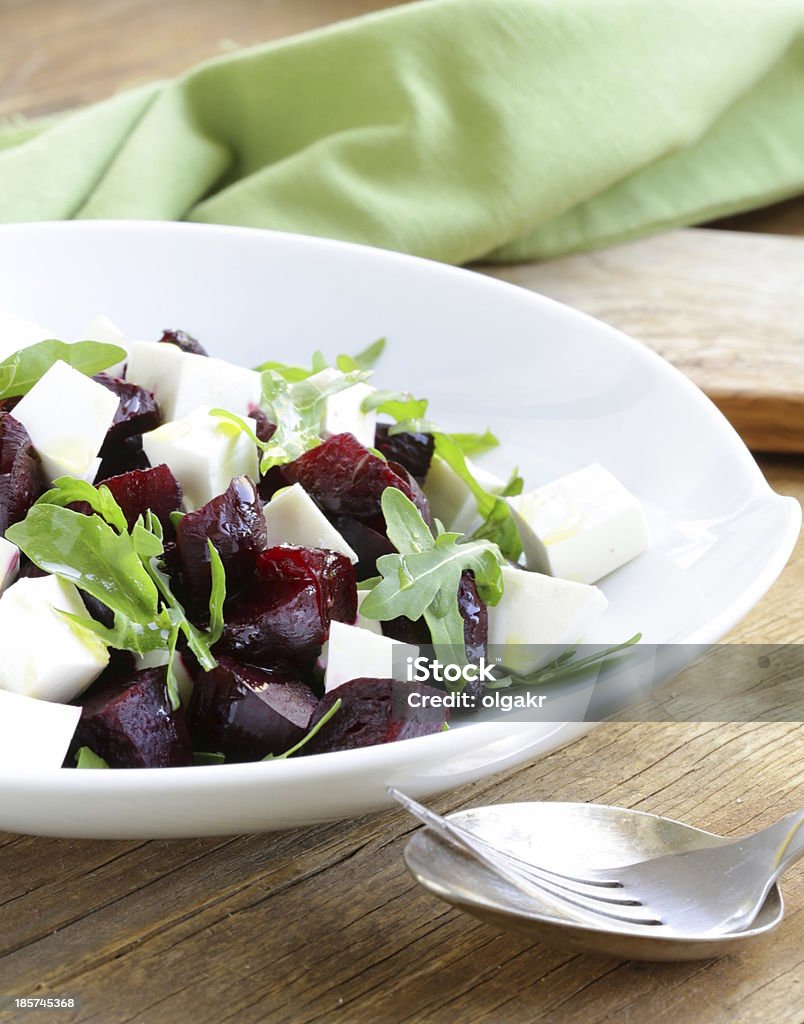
(325,923)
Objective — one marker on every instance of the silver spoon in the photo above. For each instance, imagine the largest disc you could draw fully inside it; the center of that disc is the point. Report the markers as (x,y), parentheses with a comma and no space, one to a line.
(528,866)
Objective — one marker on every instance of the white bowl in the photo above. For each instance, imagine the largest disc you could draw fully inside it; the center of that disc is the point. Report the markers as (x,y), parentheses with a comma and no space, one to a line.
(561,390)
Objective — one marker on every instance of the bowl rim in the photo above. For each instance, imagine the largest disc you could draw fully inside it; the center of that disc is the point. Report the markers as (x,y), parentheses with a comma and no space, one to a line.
(451,742)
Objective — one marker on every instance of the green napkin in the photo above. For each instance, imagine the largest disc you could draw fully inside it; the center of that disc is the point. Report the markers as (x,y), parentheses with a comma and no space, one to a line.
(455,129)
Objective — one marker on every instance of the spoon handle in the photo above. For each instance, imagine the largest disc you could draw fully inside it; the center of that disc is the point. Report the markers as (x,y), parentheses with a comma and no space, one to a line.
(792,848)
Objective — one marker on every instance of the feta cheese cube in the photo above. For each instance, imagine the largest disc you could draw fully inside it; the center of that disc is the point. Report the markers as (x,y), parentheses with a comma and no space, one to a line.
(156,367)
(101,328)
(353,652)
(538,617)
(450,499)
(370,625)
(44,654)
(342,411)
(294,518)
(67,415)
(34,734)
(580,527)
(16,333)
(343,414)
(9,563)
(214,383)
(204,452)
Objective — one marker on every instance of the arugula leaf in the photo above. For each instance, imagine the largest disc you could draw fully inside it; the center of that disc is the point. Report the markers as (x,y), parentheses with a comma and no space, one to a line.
(296,409)
(86,758)
(498,520)
(564,665)
(173,689)
(319,361)
(476,444)
(362,360)
(198,641)
(422,579)
(413,426)
(66,490)
(295,433)
(105,564)
(514,485)
(217,596)
(204,757)
(293,374)
(21,371)
(288,373)
(308,396)
(121,569)
(399,404)
(306,739)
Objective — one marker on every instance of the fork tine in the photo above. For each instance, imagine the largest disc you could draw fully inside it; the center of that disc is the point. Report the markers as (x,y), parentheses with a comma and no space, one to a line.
(558,877)
(622,911)
(626,900)
(629,913)
(593,904)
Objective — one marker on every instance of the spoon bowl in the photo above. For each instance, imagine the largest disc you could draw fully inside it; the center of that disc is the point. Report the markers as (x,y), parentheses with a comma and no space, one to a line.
(570,836)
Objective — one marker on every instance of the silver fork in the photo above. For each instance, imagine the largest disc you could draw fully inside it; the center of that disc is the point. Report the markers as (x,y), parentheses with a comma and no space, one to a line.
(708,891)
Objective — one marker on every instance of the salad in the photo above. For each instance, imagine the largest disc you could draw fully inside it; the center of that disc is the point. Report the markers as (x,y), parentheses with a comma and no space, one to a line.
(201,562)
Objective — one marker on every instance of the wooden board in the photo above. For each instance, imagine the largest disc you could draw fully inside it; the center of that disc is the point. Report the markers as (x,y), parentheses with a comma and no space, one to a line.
(727,308)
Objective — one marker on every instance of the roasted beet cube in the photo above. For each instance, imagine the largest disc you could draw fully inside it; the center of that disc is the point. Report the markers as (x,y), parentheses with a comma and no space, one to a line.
(332,573)
(19,472)
(265,429)
(345,479)
(97,609)
(407,631)
(374,711)
(129,722)
(28,570)
(246,713)
(413,451)
(367,543)
(235,524)
(475,635)
(156,489)
(186,342)
(273,481)
(276,624)
(136,414)
(120,663)
(169,563)
(128,455)
(412,490)
(475,618)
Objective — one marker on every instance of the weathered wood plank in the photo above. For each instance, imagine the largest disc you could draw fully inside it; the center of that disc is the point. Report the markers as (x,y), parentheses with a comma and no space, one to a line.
(726,308)
(280,928)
